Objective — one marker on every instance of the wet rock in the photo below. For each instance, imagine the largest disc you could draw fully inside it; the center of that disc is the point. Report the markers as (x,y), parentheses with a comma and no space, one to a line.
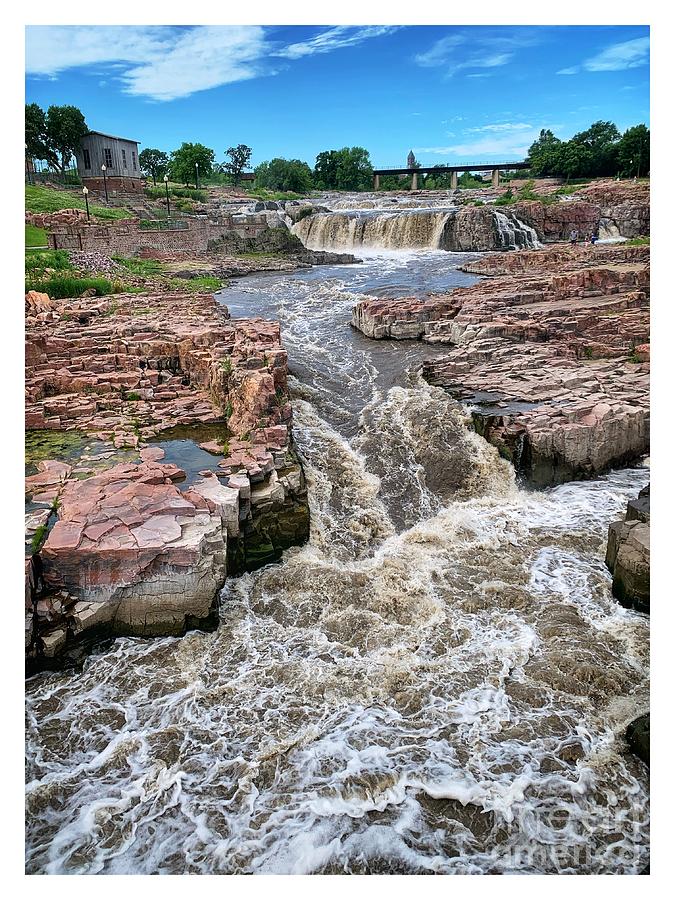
(627,555)
(637,737)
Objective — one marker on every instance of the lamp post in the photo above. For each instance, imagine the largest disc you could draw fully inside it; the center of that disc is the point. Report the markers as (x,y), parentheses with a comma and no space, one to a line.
(166,187)
(85,191)
(197,175)
(105,182)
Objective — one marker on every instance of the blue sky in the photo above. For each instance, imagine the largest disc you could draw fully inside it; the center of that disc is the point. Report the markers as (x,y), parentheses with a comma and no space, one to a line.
(453,94)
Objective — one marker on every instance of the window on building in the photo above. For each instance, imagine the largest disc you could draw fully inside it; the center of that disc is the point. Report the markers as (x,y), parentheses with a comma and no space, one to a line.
(133,159)
(124,158)
(87,159)
(107,152)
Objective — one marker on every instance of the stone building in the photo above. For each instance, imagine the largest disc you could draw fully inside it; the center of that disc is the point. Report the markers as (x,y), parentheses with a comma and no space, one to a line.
(120,157)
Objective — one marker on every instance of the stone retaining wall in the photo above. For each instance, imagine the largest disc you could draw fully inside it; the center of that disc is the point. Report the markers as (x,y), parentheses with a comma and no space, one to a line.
(127,238)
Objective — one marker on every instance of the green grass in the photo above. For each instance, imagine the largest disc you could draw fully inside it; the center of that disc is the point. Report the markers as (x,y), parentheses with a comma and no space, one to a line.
(45,200)
(263,194)
(203,283)
(142,267)
(35,237)
(38,261)
(637,242)
(59,287)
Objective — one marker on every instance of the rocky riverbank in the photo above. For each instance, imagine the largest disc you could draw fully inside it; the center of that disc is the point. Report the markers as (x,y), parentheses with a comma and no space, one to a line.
(117,545)
(628,554)
(551,353)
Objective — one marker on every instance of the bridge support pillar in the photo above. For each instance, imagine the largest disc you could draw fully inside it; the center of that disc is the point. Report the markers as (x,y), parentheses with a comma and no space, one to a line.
(414,182)
(376,182)
(453,181)
(495,178)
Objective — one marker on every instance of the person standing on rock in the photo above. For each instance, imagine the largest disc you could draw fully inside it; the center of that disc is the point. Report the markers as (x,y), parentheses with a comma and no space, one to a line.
(574,235)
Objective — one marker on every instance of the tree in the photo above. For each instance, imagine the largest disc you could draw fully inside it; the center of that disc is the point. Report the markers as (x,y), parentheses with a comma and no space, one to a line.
(184,161)
(633,151)
(154,163)
(36,132)
(325,169)
(54,137)
(544,152)
(65,129)
(348,169)
(284,175)
(600,140)
(240,157)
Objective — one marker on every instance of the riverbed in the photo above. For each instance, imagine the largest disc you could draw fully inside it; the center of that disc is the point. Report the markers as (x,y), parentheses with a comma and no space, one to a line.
(436,683)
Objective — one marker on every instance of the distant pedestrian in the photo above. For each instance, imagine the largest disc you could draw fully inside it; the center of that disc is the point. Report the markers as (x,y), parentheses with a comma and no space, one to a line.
(574,236)
(594,238)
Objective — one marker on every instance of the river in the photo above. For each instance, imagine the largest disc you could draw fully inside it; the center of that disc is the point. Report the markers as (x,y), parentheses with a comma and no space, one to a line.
(436,683)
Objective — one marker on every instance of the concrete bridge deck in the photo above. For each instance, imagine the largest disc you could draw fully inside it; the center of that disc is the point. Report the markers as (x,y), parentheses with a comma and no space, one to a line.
(446,169)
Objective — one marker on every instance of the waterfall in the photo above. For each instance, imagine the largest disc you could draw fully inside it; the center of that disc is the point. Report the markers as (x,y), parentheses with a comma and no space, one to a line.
(454,229)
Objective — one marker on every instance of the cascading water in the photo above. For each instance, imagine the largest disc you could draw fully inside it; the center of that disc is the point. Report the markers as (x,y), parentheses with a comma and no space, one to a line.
(432,228)
(435,683)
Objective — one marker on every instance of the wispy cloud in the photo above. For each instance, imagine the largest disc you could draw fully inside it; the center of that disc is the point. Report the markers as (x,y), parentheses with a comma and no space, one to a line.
(166,63)
(504,126)
(512,146)
(335,39)
(476,48)
(615,58)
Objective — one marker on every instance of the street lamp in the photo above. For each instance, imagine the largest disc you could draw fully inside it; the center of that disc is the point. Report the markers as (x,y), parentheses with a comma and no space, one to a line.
(105,182)
(166,187)
(197,174)
(85,191)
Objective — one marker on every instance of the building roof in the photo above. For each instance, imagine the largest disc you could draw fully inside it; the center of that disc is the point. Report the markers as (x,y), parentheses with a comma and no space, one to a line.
(113,136)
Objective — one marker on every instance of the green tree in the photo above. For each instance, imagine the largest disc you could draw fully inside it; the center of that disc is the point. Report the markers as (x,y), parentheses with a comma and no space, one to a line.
(240,157)
(544,153)
(325,169)
(284,175)
(154,163)
(56,136)
(184,161)
(633,151)
(601,142)
(36,132)
(65,129)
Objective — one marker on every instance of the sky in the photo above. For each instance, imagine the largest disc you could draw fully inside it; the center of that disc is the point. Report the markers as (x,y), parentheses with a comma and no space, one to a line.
(451,94)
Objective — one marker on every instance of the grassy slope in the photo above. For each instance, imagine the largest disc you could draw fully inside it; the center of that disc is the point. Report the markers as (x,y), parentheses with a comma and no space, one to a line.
(44,200)
(35,237)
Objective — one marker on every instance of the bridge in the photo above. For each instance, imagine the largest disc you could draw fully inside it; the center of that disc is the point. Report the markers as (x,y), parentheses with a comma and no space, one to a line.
(453,171)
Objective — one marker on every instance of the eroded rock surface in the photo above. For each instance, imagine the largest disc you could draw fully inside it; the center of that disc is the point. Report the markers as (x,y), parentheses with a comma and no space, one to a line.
(551,352)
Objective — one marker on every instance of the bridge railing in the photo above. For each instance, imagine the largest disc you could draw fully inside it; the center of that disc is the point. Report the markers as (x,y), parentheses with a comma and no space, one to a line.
(519,164)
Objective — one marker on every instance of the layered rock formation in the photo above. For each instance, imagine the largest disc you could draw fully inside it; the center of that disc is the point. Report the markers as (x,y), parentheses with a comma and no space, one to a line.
(628,554)
(551,353)
(130,552)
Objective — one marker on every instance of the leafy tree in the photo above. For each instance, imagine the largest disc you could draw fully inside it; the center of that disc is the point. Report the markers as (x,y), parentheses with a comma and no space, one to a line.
(154,163)
(184,161)
(65,129)
(600,140)
(544,152)
(284,175)
(240,157)
(325,169)
(54,137)
(348,169)
(36,132)
(633,151)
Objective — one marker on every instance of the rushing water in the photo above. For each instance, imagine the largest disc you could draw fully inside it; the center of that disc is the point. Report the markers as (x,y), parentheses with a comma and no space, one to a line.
(436,683)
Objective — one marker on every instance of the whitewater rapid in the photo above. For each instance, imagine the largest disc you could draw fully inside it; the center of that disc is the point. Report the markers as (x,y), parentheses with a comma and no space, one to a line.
(436,683)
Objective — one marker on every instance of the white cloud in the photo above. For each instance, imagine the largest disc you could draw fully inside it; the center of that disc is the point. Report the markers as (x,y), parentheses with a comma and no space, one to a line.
(504,126)
(510,147)
(615,58)
(334,39)
(165,62)
(477,48)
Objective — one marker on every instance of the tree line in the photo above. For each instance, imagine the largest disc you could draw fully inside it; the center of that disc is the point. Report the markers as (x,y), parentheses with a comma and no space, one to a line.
(600,150)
